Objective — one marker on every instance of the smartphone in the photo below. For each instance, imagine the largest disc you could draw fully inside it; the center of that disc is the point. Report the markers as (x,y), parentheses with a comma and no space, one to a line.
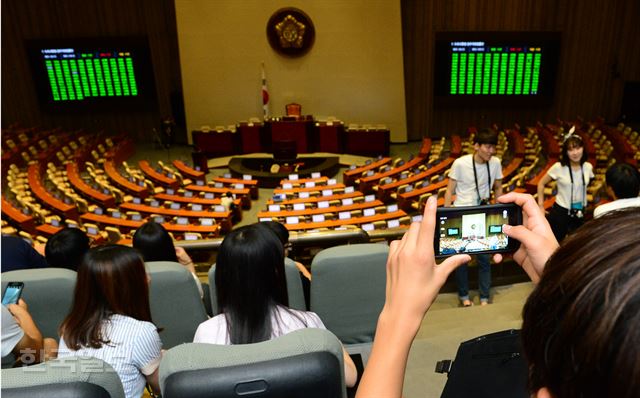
(12,293)
(475,229)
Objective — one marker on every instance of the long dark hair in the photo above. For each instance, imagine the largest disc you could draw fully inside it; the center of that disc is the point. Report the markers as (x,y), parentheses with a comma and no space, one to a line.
(154,243)
(250,282)
(111,280)
(581,325)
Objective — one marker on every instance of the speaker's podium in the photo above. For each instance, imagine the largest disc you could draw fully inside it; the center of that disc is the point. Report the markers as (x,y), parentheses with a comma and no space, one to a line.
(284,151)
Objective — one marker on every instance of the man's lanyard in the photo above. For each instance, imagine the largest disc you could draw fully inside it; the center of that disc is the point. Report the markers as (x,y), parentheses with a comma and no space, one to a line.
(583,184)
(475,178)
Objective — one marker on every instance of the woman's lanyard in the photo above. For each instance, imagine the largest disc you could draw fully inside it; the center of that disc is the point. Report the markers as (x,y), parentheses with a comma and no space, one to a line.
(475,178)
(583,184)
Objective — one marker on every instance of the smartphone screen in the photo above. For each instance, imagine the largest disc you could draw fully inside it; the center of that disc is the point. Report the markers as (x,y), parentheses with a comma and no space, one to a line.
(12,293)
(475,229)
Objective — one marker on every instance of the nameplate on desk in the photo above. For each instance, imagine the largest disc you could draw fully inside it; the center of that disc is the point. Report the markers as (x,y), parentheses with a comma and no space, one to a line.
(92,231)
(310,184)
(158,219)
(188,194)
(293,177)
(227,175)
(344,215)
(188,236)
(323,204)
(208,195)
(367,227)
(349,190)
(417,218)
(332,182)
(239,186)
(318,218)
(369,212)
(347,202)
(200,183)
(352,167)
(298,206)
(327,192)
(369,198)
(182,221)
(116,214)
(207,222)
(196,207)
(287,185)
(303,195)
(392,208)
(274,208)
(219,209)
(175,206)
(247,177)
(136,217)
(292,220)
(218,185)
(315,175)
(137,201)
(170,191)
(369,173)
(264,219)
(393,223)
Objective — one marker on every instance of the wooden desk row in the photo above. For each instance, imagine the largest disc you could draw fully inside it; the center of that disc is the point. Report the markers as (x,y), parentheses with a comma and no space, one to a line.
(131,224)
(325,210)
(55,204)
(314,199)
(78,183)
(189,171)
(223,218)
(157,176)
(137,190)
(352,221)
(243,194)
(231,183)
(350,176)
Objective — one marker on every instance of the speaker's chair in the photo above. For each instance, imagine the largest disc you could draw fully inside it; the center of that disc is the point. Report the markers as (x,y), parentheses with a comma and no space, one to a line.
(306,363)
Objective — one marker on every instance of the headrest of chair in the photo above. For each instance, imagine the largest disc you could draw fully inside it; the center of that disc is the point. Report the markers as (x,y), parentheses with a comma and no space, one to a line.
(64,377)
(297,352)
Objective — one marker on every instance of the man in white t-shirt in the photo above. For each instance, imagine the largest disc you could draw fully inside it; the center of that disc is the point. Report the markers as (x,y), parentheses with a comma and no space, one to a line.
(623,186)
(471,179)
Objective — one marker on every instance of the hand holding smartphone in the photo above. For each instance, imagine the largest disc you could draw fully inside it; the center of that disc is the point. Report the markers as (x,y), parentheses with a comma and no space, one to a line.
(12,293)
(475,229)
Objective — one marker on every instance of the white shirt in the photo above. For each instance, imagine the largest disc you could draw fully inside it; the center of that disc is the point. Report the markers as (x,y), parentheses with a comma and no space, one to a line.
(285,320)
(462,172)
(11,332)
(616,205)
(134,351)
(560,173)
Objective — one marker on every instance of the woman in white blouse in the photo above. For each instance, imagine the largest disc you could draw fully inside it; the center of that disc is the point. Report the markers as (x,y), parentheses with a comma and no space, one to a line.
(252,294)
(573,174)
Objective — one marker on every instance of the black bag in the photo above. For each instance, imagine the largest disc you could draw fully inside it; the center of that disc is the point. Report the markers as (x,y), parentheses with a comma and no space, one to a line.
(487,366)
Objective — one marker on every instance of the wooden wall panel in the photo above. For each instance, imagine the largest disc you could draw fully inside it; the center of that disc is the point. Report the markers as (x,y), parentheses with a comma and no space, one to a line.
(51,19)
(599,53)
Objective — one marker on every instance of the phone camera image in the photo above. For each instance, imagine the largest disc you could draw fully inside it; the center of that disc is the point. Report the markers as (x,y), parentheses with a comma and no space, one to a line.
(475,230)
(12,293)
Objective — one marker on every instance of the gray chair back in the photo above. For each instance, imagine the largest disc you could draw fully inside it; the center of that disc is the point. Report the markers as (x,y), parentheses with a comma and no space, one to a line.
(348,289)
(305,363)
(294,287)
(48,292)
(176,306)
(78,377)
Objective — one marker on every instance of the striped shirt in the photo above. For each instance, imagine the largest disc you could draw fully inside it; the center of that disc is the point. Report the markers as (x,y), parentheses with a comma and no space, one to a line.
(134,351)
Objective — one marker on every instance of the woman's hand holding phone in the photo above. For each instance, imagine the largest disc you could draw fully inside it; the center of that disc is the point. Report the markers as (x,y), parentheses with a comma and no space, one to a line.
(537,240)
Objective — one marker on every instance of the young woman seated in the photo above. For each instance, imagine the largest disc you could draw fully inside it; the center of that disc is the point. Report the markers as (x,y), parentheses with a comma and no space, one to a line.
(252,294)
(110,317)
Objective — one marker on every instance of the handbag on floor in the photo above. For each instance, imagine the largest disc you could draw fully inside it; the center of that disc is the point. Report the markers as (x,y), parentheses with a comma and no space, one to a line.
(487,366)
